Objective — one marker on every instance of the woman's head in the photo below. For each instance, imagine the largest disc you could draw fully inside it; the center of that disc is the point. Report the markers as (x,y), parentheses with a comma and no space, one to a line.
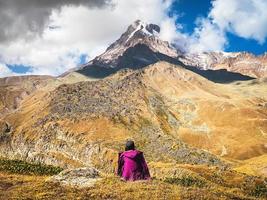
(129,145)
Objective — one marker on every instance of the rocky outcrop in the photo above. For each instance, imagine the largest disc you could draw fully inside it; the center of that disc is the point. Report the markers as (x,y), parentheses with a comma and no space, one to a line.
(79,177)
(5,131)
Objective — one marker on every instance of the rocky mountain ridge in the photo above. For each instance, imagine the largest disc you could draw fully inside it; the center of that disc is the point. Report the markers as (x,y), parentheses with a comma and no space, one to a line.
(242,62)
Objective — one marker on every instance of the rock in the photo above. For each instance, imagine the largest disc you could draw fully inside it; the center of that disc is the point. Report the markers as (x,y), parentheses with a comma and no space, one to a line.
(5,131)
(79,177)
(7,128)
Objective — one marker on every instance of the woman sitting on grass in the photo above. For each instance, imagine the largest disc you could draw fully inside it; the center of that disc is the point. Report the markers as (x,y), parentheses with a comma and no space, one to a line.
(131,164)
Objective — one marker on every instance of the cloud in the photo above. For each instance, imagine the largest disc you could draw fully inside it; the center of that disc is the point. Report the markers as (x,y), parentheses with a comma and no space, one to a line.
(246,19)
(207,36)
(74,30)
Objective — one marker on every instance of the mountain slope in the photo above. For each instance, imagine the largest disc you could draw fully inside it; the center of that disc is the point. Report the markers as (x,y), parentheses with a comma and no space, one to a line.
(163,107)
(201,139)
(14,89)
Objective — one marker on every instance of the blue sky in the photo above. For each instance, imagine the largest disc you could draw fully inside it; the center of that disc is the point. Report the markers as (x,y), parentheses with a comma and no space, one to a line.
(189,11)
(84,31)
(240,44)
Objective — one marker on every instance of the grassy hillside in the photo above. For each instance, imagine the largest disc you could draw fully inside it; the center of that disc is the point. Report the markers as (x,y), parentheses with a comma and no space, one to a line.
(170,181)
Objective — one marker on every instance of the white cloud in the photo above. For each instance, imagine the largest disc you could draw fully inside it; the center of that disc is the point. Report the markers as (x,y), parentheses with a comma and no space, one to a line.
(246,18)
(207,37)
(5,71)
(76,30)
(170,30)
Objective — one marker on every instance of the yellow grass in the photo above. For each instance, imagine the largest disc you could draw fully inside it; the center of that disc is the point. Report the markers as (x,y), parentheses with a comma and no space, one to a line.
(32,187)
(254,166)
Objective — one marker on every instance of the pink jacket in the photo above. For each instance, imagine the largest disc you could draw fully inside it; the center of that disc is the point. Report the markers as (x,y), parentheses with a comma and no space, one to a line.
(132,166)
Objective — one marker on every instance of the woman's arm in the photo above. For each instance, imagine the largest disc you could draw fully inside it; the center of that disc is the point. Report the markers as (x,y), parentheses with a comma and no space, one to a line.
(146,173)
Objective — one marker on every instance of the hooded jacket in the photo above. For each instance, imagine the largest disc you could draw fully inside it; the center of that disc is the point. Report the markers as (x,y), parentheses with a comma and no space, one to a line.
(132,166)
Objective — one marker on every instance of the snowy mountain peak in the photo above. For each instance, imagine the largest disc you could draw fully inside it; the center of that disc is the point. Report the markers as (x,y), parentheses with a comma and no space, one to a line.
(137,33)
(138,30)
(149,29)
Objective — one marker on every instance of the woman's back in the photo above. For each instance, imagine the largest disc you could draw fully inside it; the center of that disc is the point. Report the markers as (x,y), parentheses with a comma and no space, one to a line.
(132,165)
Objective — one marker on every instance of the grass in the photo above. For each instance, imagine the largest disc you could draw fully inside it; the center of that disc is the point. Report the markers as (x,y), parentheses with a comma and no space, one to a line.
(14,186)
(22,180)
(22,167)
(185,181)
(253,166)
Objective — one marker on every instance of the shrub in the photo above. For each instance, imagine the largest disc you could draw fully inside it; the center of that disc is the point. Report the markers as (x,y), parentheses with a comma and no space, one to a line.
(260,190)
(22,167)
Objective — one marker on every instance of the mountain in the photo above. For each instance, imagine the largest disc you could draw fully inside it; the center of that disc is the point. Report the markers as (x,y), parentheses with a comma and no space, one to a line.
(141,46)
(177,98)
(160,103)
(188,127)
(241,62)
(137,33)
(14,89)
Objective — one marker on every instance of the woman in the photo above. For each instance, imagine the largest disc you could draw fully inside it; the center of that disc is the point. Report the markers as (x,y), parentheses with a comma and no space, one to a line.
(131,164)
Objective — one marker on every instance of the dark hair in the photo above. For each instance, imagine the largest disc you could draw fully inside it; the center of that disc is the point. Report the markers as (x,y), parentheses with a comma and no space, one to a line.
(129,145)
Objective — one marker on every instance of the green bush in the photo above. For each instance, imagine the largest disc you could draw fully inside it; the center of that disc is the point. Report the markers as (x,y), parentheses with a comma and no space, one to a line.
(260,190)
(22,167)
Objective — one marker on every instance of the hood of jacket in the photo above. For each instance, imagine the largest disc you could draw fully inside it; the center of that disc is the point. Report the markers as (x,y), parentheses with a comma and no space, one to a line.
(131,153)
